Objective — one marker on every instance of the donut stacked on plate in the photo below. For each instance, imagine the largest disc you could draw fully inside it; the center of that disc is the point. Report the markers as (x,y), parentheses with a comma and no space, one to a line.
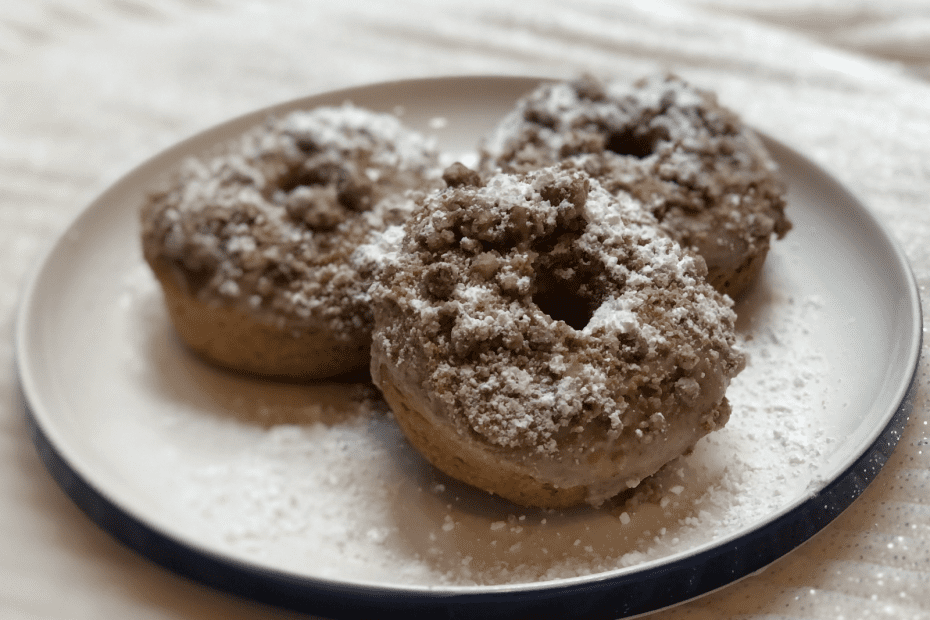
(707,179)
(544,328)
(255,246)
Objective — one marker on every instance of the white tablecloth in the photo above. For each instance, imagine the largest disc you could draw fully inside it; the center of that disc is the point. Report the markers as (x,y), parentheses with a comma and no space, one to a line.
(91,88)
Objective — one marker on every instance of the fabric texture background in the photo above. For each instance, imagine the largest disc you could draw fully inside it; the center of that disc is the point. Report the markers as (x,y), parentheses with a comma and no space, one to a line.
(90,89)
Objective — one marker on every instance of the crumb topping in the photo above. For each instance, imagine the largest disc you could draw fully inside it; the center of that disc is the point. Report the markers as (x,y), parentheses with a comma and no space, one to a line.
(538,307)
(660,139)
(269,223)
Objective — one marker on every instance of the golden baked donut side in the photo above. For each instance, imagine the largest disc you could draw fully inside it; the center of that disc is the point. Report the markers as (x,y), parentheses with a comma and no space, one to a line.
(239,340)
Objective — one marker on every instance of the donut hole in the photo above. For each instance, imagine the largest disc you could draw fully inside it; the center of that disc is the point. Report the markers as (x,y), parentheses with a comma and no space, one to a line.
(322,196)
(565,278)
(306,144)
(314,205)
(634,142)
(355,193)
(565,292)
(305,176)
(562,302)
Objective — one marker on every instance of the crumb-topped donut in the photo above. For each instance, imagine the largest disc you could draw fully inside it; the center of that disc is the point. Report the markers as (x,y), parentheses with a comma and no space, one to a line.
(706,177)
(539,338)
(254,245)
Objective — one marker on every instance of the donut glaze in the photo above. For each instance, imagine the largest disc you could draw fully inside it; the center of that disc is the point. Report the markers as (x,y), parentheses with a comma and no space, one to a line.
(705,176)
(538,337)
(253,244)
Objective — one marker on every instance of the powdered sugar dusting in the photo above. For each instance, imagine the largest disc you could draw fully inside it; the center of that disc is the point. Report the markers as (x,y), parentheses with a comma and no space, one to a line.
(291,483)
(488,259)
(283,475)
(268,221)
(704,175)
(353,489)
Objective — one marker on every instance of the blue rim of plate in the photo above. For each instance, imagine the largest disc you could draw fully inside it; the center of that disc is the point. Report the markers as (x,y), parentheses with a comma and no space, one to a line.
(597,596)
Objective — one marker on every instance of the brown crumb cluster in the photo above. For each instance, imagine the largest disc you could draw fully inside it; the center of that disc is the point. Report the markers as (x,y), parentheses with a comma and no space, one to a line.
(269,223)
(540,312)
(706,177)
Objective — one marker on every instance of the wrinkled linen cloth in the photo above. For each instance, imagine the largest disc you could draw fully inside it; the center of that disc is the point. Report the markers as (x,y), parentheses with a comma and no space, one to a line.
(88,90)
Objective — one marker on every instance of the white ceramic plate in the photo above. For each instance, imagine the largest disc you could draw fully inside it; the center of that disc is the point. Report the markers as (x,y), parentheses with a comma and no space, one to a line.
(306,496)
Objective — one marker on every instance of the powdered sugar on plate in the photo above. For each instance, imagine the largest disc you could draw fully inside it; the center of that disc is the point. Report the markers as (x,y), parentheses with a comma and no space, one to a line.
(283,475)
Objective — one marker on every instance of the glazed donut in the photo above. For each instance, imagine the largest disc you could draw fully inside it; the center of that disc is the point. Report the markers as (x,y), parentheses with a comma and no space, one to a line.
(254,244)
(706,177)
(538,337)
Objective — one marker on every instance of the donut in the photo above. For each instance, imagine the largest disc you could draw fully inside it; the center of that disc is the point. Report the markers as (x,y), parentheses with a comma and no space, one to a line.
(254,244)
(706,177)
(538,337)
